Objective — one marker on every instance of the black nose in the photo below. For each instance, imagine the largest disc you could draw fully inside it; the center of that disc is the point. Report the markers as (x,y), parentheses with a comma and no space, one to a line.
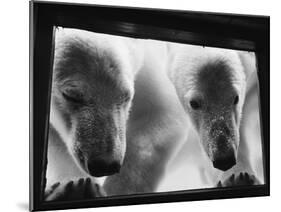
(99,168)
(224,157)
(225,163)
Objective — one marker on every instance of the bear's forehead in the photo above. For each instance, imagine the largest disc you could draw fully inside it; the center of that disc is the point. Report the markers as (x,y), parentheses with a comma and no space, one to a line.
(77,56)
(215,74)
(85,56)
(212,68)
(219,80)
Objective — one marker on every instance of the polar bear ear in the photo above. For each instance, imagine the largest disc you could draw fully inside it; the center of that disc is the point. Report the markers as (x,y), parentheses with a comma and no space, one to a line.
(171,52)
(248,61)
(172,48)
(61,33)
(135,54)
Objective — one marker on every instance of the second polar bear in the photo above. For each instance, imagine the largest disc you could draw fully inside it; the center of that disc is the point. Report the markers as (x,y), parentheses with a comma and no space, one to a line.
(211,84)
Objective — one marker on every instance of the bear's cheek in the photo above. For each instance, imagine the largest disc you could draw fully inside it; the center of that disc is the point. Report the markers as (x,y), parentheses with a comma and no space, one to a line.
(197,119)
(237,115)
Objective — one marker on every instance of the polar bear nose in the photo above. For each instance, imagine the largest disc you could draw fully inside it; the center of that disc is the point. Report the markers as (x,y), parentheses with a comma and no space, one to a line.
(225,155)
(224,163)
(99,168)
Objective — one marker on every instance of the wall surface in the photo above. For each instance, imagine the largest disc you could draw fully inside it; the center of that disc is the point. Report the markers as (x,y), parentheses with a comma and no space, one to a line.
(14,115)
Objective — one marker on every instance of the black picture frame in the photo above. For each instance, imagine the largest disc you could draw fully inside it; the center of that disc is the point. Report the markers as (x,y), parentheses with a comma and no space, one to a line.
(241,32)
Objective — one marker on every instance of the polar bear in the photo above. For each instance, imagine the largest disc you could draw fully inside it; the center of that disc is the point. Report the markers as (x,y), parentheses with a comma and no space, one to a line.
(97,80)
(92,92)
(211,84)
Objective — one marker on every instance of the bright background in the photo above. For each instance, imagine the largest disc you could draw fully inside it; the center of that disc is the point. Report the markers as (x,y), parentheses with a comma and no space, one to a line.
(14,115)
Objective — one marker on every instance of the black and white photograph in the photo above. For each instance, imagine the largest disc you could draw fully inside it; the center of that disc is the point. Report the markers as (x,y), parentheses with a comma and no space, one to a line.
(136,116)
(136,106)
(140,106)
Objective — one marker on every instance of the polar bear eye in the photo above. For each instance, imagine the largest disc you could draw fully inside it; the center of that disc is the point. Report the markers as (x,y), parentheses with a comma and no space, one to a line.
(195,104)
(73,95)
(236,100)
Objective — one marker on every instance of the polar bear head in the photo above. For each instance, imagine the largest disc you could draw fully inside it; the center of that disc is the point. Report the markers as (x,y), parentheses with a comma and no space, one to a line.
(92,92)
(211,85)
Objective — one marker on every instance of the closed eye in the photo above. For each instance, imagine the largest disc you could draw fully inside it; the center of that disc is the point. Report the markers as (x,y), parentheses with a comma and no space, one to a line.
(73,95)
